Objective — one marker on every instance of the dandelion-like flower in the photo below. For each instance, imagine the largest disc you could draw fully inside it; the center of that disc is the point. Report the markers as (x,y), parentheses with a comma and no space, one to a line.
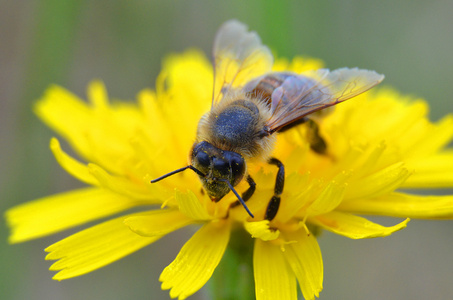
(377,144)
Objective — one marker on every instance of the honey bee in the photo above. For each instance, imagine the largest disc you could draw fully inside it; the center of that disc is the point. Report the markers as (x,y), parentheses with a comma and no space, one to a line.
(250,104)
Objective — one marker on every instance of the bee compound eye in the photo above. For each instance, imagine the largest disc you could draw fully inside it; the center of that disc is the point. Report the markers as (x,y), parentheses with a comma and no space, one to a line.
(237,165)
(221,166)
(202,158)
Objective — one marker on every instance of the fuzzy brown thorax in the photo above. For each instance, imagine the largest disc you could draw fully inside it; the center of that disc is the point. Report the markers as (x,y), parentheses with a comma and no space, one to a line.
(237,124)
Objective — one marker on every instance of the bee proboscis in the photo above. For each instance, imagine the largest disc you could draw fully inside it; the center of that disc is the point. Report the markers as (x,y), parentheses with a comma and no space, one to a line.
(250,104)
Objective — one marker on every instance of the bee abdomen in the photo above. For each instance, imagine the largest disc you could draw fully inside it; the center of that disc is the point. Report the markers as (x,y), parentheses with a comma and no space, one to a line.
(266,86)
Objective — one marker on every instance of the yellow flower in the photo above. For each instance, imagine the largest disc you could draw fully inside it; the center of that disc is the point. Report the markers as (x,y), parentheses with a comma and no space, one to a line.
(378,142)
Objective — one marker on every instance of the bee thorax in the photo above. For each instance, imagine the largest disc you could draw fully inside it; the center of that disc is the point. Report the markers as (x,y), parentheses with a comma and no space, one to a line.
(237,126)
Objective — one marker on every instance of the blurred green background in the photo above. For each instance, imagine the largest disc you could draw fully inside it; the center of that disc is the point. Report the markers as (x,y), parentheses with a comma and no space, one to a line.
(123,42)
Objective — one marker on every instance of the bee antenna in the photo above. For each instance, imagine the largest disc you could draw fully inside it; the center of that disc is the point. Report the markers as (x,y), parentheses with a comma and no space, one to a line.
(177,171)
(237,195)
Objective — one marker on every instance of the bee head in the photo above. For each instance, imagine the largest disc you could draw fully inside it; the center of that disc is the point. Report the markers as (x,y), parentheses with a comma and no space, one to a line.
(219,169)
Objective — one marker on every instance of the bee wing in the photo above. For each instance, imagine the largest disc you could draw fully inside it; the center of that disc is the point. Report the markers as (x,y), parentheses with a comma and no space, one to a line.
(303,94)
(238,56)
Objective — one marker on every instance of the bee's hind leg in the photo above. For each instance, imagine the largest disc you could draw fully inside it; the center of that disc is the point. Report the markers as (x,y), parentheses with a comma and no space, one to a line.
(274,203)
(317,143)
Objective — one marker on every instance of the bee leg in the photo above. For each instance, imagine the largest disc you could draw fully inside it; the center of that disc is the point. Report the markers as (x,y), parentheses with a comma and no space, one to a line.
(274,203)
(248,193)
(293,124)
(317,143)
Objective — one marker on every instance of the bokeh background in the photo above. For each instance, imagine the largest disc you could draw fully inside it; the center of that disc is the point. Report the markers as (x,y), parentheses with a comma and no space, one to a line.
(123,42)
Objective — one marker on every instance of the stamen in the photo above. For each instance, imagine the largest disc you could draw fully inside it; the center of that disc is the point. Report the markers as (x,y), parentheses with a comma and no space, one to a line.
(304,225)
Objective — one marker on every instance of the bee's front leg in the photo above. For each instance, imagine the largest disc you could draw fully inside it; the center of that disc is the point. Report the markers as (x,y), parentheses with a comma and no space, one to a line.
(248,193)
(274,203)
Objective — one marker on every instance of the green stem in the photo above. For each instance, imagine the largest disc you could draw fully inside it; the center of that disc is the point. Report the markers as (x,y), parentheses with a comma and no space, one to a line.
(233,278)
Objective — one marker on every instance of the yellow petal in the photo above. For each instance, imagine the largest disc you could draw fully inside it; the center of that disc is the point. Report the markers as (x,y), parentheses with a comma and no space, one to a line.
(58,212)
(190,96)
(298,199)
(304,257)
(157,222)
(197,260)
(191,206)
(72,166)
(330,196)
(378,183)
(361,159)
(437,137)
(161,140)
(124,186)
(261,230)
(198,85)
(99,133)
(94,248)
(97,94)
(403,205)
(65,113)
(358,159)
(273,277)
(354,227)
(431,172)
